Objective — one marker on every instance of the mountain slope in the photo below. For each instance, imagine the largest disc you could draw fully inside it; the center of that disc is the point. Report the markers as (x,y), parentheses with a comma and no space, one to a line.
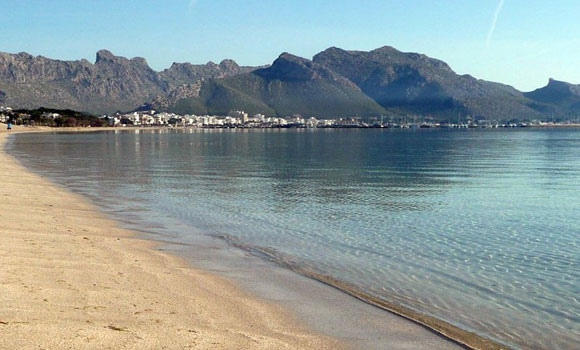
(411,82)
(112,83)
(291,85)
(558,98)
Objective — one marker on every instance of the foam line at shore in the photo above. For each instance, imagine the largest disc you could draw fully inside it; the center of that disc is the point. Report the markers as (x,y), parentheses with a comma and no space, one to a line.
(467,339)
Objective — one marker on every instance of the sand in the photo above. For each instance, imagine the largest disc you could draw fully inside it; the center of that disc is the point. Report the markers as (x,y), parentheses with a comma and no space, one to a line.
(72,279)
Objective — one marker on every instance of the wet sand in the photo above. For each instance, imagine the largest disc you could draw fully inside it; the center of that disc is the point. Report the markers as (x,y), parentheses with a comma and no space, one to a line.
(72,278)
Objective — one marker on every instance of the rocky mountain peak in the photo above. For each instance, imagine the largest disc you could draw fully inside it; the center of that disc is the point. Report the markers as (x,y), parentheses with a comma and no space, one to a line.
(557,83)
(140,61)
(288,66)
(229,64)
(558,86)
(331,51)
(558,97)
(563,87)
(291,67)
(386,50)
(105,56)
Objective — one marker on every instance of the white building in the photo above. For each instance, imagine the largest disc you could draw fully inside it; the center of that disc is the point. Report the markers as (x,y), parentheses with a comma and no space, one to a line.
(296,119)
(241,115)
(312,122)
(259,117)
(50,115)
(326,122)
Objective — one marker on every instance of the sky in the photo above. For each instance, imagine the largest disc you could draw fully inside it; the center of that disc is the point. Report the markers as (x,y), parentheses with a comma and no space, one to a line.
(522,43)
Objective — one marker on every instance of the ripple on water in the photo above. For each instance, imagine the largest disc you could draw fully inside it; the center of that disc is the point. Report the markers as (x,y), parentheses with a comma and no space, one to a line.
(477,228)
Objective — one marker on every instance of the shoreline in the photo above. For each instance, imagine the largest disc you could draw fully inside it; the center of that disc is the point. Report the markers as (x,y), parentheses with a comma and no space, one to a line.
(70,277)
(437,328)
(464,338)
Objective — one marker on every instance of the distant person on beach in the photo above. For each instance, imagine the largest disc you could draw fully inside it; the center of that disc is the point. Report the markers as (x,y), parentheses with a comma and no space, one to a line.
(9,126)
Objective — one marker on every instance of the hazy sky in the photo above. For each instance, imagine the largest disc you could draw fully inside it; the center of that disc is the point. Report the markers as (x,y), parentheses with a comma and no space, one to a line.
(518,42)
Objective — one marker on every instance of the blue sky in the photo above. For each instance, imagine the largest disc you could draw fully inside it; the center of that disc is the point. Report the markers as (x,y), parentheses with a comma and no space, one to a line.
(532,40)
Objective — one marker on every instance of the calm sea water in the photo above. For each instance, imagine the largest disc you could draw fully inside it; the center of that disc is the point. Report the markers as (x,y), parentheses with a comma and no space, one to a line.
(478,227)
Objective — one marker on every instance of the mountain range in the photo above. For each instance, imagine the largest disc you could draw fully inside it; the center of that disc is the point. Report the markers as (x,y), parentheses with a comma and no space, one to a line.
(335,83)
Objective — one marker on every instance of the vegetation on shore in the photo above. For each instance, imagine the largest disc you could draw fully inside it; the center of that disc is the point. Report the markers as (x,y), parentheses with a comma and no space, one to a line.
(54,118)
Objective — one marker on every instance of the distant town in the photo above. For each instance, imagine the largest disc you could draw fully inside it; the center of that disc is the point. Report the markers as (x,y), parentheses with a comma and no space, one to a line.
(241,119)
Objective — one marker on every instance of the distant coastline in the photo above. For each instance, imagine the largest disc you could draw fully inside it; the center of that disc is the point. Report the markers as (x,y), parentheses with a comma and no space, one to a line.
(242,120)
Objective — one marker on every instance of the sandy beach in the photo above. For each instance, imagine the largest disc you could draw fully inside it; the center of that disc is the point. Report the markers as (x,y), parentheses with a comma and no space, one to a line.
(70,278)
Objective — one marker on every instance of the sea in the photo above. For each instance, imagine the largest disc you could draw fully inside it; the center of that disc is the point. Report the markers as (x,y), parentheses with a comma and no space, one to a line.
(479,228)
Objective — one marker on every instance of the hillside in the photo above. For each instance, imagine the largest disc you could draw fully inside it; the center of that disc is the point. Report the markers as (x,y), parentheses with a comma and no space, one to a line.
(112,83)
(291,85)
(411,82)
(557,98)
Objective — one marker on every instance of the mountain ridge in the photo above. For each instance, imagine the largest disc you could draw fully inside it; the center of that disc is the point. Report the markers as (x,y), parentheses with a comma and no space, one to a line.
(418,83)
(109,84)
(557,98)
(336,82)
